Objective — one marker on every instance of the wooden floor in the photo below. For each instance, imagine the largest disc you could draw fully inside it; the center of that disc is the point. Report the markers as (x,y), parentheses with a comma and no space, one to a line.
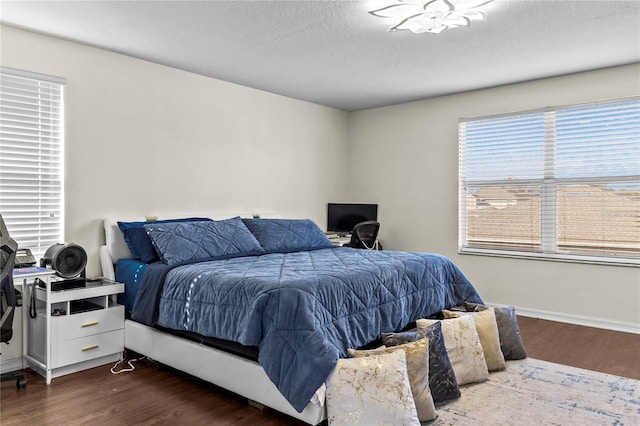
(606,351)
(154,396)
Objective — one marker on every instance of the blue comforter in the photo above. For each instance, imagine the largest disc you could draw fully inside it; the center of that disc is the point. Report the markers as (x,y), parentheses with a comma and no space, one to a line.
(304,309)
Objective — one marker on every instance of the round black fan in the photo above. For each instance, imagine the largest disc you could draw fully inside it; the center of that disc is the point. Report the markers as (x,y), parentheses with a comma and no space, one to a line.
(67,259)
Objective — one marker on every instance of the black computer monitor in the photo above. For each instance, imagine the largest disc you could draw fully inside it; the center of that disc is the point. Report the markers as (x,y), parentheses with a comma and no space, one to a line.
(342,217)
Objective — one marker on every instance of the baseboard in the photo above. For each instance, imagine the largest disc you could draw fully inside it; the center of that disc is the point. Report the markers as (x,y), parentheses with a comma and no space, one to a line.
(9,365)
(627,327)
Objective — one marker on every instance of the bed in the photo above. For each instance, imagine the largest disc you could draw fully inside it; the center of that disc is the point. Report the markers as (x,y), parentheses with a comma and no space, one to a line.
(265,307)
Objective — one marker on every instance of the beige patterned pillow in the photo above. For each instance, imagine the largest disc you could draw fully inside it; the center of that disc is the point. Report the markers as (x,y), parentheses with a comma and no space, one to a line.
(463,347)
(487,328)
(372,390)
(417,354)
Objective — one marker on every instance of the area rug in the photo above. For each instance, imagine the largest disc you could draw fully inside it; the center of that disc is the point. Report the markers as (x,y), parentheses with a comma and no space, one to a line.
(534,392)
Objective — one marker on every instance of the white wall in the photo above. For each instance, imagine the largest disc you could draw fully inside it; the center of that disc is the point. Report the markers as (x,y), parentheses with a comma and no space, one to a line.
(410,168)
(144,139)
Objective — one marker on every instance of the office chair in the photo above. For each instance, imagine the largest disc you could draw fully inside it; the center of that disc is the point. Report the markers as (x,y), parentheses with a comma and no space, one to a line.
(8,297)
(365,235)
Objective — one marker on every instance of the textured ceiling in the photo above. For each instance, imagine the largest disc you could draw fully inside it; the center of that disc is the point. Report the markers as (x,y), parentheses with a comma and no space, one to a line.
(334,53)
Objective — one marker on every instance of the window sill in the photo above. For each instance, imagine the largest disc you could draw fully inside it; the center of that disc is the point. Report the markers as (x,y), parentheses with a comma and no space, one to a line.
(594,260)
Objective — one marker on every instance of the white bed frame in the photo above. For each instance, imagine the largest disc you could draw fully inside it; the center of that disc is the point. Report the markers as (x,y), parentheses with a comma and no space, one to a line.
(234,373)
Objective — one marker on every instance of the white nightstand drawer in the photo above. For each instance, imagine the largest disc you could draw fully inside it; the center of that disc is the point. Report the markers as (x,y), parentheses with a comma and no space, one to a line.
(86,348)
(69,327)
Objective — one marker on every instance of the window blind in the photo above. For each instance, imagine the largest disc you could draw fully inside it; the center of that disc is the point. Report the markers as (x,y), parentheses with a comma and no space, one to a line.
(562,183)
(31,158)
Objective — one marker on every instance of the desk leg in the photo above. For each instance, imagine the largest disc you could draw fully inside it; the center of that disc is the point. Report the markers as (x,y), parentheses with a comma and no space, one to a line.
(25,324)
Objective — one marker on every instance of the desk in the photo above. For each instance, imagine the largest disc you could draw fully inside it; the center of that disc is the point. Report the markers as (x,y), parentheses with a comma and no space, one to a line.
(338,240)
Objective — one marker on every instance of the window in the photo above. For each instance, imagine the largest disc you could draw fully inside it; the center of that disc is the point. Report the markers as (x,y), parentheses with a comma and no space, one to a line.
(561,183)
(31,161)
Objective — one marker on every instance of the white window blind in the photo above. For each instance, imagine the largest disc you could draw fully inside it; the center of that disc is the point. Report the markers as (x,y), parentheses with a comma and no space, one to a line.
(562,183)
(31,160)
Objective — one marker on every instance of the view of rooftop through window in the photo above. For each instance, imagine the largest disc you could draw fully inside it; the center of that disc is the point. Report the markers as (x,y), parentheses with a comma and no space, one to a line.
(563,181)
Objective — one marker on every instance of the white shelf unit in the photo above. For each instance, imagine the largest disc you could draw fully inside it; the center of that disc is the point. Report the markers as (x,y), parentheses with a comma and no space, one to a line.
(13,353)
(75,329)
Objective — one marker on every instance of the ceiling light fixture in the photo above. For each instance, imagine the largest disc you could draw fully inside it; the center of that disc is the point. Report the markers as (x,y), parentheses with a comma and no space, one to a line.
(431,16)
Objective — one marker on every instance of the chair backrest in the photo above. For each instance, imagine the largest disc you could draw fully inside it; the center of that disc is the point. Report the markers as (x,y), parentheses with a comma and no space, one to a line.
(8,248)
(365,235)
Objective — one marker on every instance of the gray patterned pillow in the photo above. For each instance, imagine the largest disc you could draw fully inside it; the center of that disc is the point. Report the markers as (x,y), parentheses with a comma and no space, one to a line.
(395,339)
(510,340)
(442,379)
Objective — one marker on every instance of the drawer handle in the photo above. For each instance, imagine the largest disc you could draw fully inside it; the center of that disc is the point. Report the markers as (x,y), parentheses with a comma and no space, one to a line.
(88,324)
(88,348)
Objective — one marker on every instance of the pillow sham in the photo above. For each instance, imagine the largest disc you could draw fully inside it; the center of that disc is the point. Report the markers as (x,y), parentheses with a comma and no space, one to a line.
(180,242)
(510,339)
(287,235)
(371,390)
(463,348)
(417,356)
(138,241)
(487,329)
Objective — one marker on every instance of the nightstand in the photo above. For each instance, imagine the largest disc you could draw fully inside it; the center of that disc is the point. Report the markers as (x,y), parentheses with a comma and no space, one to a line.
(74,329)
(12,354)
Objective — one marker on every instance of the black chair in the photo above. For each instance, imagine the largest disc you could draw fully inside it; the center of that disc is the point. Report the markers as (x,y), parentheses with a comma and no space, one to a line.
(365,235)
(8,297)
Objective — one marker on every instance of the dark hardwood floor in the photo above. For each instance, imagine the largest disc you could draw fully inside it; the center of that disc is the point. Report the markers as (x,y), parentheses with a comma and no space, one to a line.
(596,349)
(156,396)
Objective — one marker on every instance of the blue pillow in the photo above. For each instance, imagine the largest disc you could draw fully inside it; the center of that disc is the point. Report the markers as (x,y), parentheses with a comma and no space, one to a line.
(180,242)
(138,241)
(287,235)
